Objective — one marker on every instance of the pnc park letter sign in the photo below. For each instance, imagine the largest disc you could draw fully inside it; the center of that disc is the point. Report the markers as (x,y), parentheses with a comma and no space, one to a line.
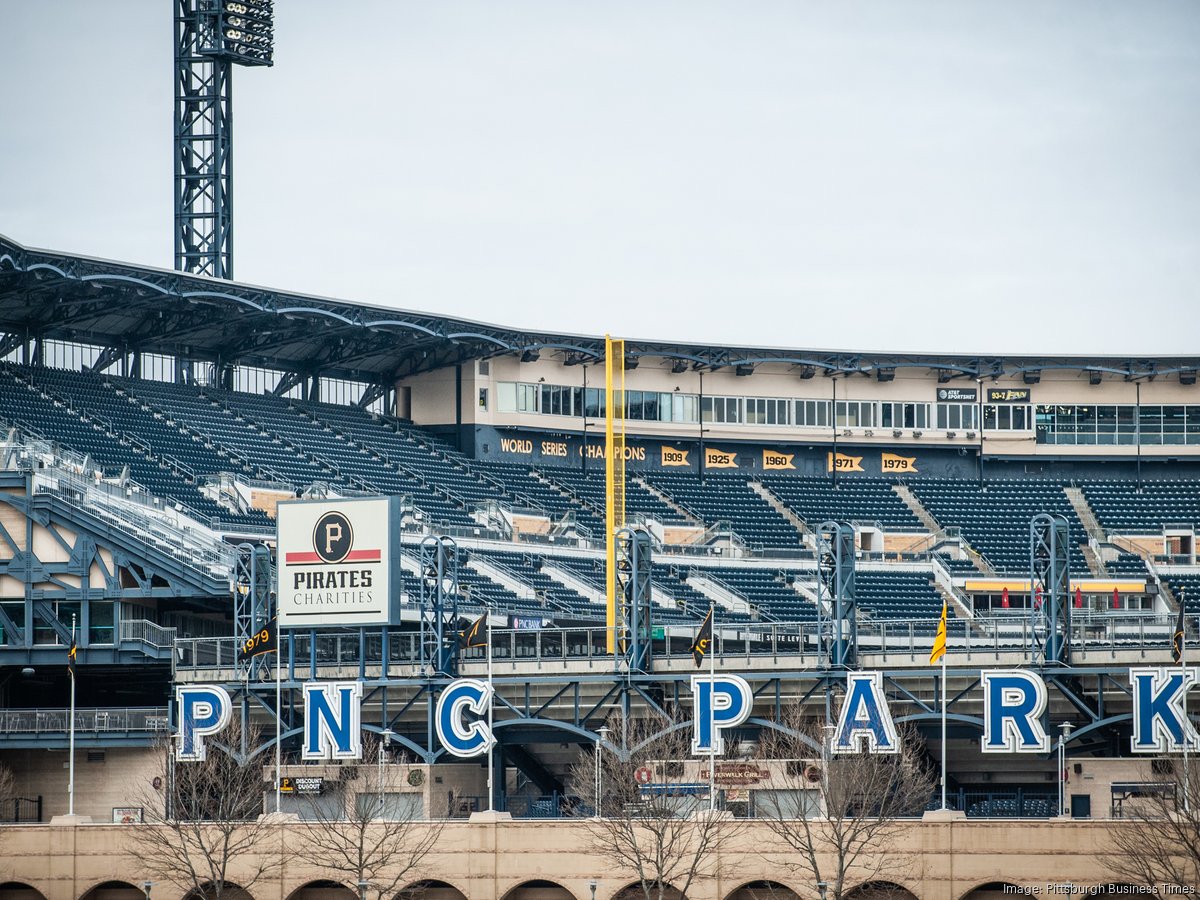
(1014,703)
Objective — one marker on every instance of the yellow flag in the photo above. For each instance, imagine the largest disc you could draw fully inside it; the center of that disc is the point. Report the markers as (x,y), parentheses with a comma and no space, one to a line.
(939,642)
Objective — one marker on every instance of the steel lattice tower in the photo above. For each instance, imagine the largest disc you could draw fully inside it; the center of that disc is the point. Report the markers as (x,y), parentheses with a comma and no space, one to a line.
(211,36)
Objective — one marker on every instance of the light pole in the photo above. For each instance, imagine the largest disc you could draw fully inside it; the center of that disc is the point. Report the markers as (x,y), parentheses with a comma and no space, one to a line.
(1065,730)
(592,885)
(384,744)
(822,886)
(362,889)
(146,887)
(601,737)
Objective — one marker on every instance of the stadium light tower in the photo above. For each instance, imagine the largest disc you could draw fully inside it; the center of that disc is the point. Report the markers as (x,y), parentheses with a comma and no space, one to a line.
(211,37)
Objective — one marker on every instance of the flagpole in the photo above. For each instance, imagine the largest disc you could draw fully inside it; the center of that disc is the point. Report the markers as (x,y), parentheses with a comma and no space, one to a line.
(71,750)
(491,706)
(278,721)
(712,683)
(1187,730)
(944,730)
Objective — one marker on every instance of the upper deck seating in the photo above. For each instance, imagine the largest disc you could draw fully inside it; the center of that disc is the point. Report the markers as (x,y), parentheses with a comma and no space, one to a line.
(728,497)
(996,519)
(854,499)
(1121,507)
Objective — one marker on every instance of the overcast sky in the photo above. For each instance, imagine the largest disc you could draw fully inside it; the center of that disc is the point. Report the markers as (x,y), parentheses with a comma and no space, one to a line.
(957,176)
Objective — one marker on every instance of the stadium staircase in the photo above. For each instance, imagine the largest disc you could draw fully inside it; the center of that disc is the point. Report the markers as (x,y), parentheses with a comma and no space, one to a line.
(780,507)
(684,514)
(1091,525)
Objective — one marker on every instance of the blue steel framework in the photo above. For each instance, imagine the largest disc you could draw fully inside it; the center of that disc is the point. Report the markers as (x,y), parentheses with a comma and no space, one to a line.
(533,707)
(559,709)
(84,559)
(570,708)
(1050,580)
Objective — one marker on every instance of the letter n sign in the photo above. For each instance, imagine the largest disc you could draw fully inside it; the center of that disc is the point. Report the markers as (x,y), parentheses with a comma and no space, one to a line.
(332,720)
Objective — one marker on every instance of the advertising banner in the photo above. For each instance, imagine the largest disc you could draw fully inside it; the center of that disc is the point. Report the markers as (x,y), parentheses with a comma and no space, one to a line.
(1008,395)
(957,395)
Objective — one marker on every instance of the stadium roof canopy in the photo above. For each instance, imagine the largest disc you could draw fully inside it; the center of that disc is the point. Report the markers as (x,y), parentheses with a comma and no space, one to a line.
(123,307)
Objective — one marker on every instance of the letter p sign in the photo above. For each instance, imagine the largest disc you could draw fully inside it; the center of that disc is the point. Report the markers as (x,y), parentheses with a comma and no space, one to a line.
(202,711)
(719,702)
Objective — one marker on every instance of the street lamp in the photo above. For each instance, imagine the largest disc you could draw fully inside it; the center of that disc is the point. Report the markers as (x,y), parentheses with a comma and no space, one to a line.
(822,886)
(1065,730)
(146,886)
(592,885)
(362,889)
(384,745)
(601,737)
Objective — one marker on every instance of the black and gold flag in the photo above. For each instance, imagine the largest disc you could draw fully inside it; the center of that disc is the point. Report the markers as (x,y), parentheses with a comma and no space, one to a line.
(1177,637)
(476,635)
(265,640)
(703,641)
(72,652)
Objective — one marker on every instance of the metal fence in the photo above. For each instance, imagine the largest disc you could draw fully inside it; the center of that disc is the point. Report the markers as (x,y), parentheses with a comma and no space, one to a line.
(1096,632)
(54,721)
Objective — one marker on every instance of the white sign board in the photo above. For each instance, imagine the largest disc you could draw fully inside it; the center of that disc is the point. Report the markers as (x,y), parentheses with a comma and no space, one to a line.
(334,562)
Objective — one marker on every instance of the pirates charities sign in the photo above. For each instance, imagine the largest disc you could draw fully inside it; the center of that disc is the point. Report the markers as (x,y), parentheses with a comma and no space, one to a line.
(1014,707)
(335,562)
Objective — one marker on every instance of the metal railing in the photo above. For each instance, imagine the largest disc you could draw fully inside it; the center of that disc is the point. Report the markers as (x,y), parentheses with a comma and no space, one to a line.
(1096,632)
(101,719)
(146,632)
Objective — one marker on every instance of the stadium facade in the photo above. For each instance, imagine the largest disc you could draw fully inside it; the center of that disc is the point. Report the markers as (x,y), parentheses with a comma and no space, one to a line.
(827,505)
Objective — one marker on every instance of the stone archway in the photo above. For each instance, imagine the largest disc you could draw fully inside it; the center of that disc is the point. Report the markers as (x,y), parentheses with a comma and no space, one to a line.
(322,890)
(763,890)
(431,889)
(539,889)
(634,892)
(994,890)
(880,890)
(18,890)
(114,890)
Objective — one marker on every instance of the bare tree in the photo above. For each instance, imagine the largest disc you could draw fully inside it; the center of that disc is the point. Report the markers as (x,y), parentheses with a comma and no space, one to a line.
(665,839)
(841,815)
(203,820)
(8,794)
(1157,840)
(371,835)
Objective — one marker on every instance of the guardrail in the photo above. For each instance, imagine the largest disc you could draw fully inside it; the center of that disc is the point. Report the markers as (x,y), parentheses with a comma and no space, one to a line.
(1098,632)
(101,719)
(147,632)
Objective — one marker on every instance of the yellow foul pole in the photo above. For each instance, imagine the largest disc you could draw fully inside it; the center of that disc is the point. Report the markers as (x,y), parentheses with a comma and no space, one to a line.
(614,474)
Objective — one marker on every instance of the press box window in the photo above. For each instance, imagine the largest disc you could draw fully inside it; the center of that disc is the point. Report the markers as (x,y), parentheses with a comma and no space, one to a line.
(812,413)
(1006,418)
(952,416)
(904,415)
